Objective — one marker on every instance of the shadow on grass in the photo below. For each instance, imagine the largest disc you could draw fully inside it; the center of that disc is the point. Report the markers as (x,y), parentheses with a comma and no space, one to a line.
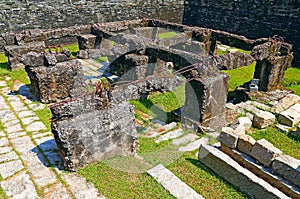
(4,66)
(74,54)
(201,166)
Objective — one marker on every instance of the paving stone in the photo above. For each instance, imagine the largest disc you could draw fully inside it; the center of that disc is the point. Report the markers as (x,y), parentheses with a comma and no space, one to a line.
(80,187)
(5,91)
(10,168)
(229,137)
(18,106)
(3,83)
(11,123)
(288,167)
(23,114)
(46,143)
(40,135)
(231,171)
(56,191)
(37,106)
(264,152)
(170,135)
(29,120)
(4,141)
(172,183)
(36,126)
(4,106)
(24,146)
(17,134)
(42,175)
(185,139)
(291,116)
(55,160)
(20,187)
(8,157)
(15,128)
(248,107)
(263,119)
(8,116)
(193,145)
(5,149)
(260,105)
(161,130)
(2,134)
(285,103)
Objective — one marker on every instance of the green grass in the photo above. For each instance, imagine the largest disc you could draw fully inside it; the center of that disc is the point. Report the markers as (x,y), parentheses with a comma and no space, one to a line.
(167,35)
(292,80)
(118,184)
(73,48)
(227,50)
(45,115)
(239,76)
(286,142)
(202,180)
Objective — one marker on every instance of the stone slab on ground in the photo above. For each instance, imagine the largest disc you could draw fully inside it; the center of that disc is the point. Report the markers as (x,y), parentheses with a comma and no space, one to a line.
(10,168)
(194,145)
(172,183)
(161,130)
(264,152)
(20,186)
(283,128)
(235,174)
(80,187)
(263,172)
(245,144)
(170,135)
(56,191)
(185,139)
(228,137)
(8,157)
(263,119)
(288,167)
(285,103)
(290,116)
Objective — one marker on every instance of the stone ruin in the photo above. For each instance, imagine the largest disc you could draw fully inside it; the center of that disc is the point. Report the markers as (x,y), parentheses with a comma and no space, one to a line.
(92,125)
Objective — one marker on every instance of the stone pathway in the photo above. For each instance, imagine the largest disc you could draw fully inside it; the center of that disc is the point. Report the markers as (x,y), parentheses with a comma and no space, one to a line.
(30,166)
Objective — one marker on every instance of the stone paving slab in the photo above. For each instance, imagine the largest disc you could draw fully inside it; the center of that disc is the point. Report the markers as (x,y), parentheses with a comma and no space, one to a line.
(36,126)
(19,187)
(15,128)
(193,145)
(46,143)
(170,135)
(185,139)
(81,188)
(8,157)
(172,183)
(2,134)
(4,141)
(29,120)
(10,168)
(26,113)
(17,134)
(5,149)
(11,123)
(56,191)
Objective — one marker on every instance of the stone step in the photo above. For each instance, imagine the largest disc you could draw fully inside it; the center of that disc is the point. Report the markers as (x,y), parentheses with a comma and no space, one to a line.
(170,135)
(185,139)
(231,171)
(172,183)
(263,172)
(193,145)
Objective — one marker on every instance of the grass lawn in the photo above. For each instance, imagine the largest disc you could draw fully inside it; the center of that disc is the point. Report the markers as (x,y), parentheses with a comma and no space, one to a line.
(167,35)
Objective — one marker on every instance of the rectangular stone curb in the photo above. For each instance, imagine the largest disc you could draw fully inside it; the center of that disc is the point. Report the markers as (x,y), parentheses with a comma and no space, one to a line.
(265,173)
(235,174)
(172,183)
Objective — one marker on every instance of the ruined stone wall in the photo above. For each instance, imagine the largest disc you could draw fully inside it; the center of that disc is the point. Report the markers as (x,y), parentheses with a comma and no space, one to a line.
(254,18)
(18,15)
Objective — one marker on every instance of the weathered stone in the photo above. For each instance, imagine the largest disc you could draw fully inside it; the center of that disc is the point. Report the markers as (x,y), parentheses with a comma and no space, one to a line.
(245,144)
(86,41)
(33,59)
(291,116)
(36,126)
(193,145)
(185,139)
(234,60)
(52,83)
(237,175)
(228,137)
(83,54)
(263,119)
(285,103)
(170,135)
(56,191)
(264,152)
(99,134)
(265,173)
(288,167)
(50,59)
(172,183)
(10,168)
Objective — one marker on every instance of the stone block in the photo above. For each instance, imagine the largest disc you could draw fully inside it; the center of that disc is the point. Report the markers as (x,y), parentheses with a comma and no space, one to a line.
(245,143)
(33,59)
(232,172)
(97,134)
(288,167)
(264,152)
(50,59)
(86,41)
(228,137)
(263,119)
(244,121)
(290,116)
(265,173)
(63,80)
(285,103)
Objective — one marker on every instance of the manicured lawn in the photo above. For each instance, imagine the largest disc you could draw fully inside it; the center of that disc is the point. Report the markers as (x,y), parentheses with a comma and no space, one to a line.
(289,144)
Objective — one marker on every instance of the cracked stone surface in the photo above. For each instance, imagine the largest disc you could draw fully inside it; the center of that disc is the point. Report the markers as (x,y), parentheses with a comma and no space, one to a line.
(22,164)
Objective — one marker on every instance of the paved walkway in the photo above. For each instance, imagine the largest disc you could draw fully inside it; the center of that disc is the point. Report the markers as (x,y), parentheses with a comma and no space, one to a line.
(30,166)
